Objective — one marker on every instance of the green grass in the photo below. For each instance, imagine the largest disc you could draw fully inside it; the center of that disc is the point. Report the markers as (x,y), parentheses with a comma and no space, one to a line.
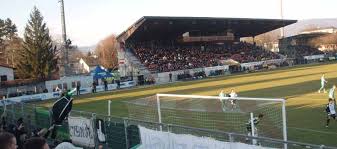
(305,107)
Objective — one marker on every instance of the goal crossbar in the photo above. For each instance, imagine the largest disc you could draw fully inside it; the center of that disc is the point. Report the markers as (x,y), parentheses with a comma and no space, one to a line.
(217,97)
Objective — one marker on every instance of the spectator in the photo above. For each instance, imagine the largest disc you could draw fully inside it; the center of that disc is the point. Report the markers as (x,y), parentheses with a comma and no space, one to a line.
(298,51)
(36,143)
(94,87)
(78,88)
(66,145)
(105,85)
(43,132)
(100,147)
(57,89)
(170,75)
(118,84)
(3,125)
(20,132)
(40,90)
(7,141)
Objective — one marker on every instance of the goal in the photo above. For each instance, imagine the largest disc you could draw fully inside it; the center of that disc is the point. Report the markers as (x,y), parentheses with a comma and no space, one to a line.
(215,113)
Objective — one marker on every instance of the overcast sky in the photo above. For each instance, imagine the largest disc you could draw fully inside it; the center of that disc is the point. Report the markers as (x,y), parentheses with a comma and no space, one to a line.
(89,21)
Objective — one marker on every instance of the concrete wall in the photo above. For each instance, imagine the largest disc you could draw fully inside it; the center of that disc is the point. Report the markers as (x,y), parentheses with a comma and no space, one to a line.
(164,76)
(8,72)
(86,81)
(84,90)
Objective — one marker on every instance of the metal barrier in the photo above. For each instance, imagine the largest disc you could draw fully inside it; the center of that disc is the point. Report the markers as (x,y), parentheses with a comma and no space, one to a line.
(123,133)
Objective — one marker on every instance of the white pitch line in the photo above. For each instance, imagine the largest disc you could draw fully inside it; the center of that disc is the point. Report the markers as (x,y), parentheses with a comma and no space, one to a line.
(326,132)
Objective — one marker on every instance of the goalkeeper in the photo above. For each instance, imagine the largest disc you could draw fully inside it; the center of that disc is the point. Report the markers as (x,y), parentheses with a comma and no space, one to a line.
(256,121)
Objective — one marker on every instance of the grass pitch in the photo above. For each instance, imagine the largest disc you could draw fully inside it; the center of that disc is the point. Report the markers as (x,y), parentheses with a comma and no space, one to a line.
(306,116)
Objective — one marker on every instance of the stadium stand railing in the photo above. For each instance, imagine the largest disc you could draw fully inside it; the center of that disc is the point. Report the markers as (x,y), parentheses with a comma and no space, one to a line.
(123,133)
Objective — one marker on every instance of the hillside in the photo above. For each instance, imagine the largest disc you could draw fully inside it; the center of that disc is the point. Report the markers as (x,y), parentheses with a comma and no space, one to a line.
(311,23)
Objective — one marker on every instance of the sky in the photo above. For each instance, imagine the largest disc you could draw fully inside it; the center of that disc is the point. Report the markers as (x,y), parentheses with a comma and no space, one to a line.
(89,21)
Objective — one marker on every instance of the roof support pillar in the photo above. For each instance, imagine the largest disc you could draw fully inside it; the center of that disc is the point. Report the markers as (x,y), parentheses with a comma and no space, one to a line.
(254,40)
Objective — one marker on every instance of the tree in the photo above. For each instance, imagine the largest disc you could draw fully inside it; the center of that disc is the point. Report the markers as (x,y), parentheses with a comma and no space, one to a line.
(323,40)
(2,40)
(10,29)
(8,36)
(106,51)
(12,50)
(2,31)
(39,55)
(265,39)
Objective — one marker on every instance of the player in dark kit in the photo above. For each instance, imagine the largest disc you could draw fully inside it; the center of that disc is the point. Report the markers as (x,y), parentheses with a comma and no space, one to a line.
(256,121)
(331,111)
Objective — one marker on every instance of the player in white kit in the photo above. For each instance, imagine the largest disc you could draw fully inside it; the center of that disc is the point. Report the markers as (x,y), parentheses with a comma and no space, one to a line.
(222,95)
(332,92)
(233,95)
(323,82)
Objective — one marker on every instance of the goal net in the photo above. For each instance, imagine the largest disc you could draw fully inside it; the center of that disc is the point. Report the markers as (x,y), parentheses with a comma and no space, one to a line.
(239,115)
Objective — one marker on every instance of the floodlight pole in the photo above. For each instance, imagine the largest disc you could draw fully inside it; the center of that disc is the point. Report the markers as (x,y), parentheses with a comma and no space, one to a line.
(64,38)
(63,22)
(281,11)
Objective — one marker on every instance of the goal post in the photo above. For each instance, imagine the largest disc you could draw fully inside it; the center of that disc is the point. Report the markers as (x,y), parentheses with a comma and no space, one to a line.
(207,112)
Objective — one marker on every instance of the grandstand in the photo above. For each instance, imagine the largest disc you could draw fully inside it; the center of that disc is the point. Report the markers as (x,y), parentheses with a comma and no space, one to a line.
(155,45)
(299,45)
(173,58)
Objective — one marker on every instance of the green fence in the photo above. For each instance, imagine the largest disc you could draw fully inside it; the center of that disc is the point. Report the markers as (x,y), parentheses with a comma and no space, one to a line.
(123,133)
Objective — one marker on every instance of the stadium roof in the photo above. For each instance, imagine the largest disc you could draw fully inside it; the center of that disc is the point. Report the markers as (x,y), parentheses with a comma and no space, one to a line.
(5,65)
(165,28)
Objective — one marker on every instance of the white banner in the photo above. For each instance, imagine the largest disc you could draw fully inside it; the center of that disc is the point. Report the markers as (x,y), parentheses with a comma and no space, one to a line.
(311,57)
(151,139)
(81,131)
(272,61)
(51,95)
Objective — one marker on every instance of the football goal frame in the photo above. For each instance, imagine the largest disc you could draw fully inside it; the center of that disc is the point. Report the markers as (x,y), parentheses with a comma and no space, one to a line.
(278,100)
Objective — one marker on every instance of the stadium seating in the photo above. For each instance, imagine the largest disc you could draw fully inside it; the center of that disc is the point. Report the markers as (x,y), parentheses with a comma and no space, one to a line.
(180,57)
(302,50)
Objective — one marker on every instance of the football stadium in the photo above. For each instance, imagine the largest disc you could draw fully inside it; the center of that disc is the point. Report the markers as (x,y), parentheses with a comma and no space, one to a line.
(185,83)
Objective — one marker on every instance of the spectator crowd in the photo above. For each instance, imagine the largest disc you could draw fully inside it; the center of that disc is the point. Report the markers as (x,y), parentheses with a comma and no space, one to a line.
(298,51)
(160,58)
(20,136)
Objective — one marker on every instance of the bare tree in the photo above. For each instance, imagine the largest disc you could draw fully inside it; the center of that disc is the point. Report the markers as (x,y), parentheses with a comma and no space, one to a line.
(106,51)
(326,39)
(265,39)
(12,50)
